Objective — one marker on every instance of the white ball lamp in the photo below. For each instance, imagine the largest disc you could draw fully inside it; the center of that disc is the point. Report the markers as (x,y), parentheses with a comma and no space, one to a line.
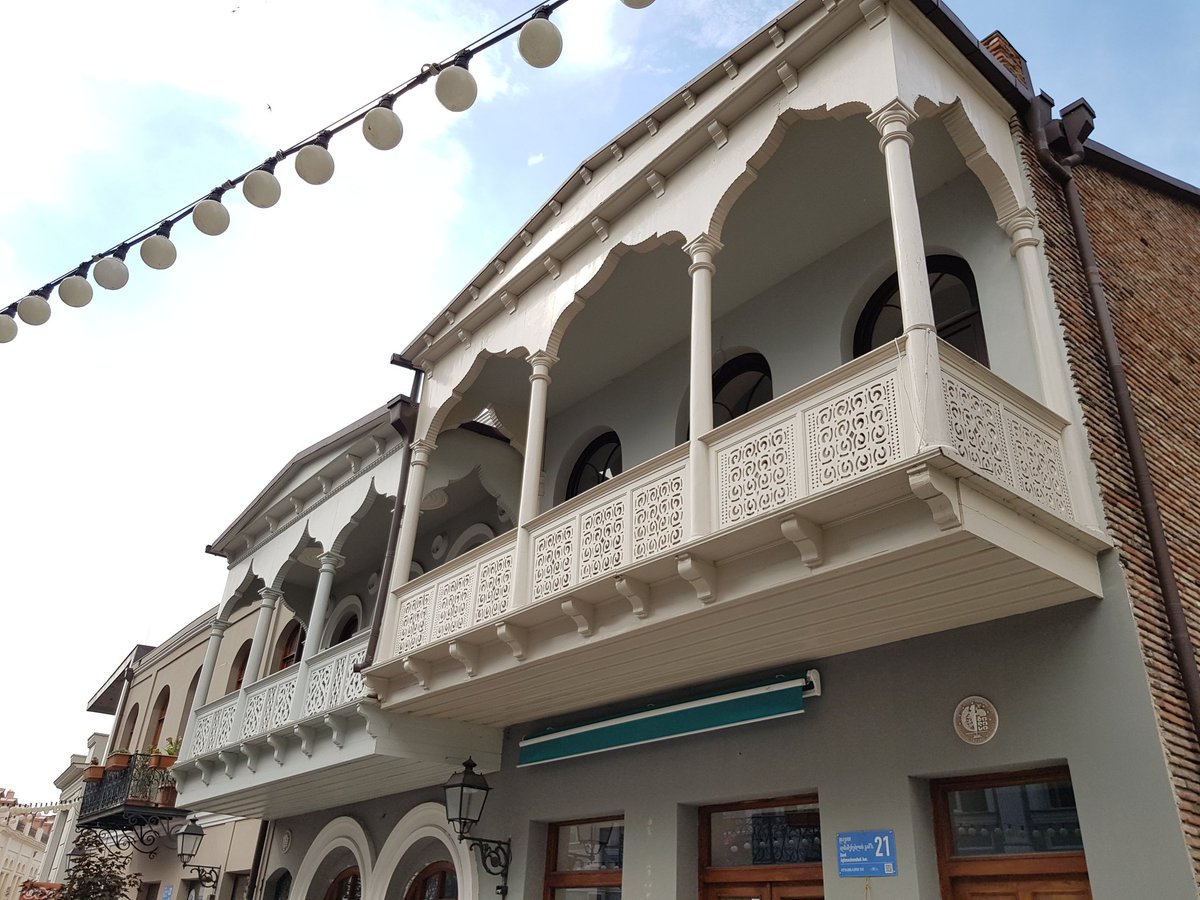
(157,251)
(455,86)
(111,273)
(314,162)
(382,127)
(8,327)
(75,290)
(637,4)
(34,309)
(210,215)
(540,42)
(261,187)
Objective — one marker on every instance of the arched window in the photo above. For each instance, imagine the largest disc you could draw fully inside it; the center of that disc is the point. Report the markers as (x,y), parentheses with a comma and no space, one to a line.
(955,310)
(237,671)
(289,648)
(348,629)
(127,732)
(283,887)
(600,461)
(437,881)
(739,386)
(188,701)
(158,717)
(345,886)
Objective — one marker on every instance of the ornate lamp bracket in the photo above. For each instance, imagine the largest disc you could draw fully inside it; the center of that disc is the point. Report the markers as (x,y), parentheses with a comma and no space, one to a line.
(495,856)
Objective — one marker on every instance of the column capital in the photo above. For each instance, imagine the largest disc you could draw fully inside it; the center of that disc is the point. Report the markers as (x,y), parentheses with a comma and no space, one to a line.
(540,362)
(702,248)
(420,450)
(218,627)
(892,122)
(269,597)
(330,561)
(1019,227)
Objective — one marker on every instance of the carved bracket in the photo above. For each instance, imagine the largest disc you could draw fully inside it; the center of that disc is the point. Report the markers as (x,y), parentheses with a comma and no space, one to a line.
(583,613)
(700,573)
(206,767)
(338,726)
(516,637)
(420,670)
(278,744)
(636,592)
(251,752)
(940,493)
(467,654)
(308,737)
(808,537)
(230,758)
(372,714)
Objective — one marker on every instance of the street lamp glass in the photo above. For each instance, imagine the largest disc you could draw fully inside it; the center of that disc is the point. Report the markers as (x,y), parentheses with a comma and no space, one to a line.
(466,793)
(187,842)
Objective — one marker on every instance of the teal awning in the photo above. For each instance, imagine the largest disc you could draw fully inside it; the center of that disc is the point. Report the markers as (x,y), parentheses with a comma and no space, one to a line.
(756,704)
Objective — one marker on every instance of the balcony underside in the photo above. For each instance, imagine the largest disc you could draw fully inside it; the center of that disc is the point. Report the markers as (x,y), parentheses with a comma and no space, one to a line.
(924,547)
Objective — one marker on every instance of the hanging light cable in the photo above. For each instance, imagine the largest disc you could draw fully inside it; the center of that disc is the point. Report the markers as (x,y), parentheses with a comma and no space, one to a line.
(539,44)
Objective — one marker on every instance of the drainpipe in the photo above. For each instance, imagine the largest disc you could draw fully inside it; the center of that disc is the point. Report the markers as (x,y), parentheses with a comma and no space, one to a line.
(256,866)
(1067,135)
(404,419)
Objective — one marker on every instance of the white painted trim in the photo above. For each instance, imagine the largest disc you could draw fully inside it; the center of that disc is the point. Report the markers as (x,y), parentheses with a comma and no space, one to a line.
(333,620)
(341,833)
(479,529)
(428,820)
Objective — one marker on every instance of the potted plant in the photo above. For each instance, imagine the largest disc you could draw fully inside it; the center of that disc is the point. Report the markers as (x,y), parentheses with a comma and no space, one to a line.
(117,760)
(165,758)
(167,794)
(94,771)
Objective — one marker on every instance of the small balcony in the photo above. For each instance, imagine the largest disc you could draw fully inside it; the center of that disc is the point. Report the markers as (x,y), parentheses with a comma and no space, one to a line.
(829,528)
(305,738)
(130,798)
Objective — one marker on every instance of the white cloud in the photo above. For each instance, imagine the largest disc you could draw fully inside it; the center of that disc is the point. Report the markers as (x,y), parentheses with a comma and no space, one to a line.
(536,159)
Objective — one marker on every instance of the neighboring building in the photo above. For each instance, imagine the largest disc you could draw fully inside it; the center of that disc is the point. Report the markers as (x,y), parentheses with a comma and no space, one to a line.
(790,400)
(24,833)
(70,786)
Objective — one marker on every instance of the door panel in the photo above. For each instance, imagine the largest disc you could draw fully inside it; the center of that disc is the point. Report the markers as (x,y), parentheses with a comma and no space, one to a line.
(1058,888)
(777,891)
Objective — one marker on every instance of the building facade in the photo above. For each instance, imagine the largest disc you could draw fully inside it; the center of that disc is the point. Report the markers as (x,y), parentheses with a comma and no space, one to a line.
(762,518)
(24,834)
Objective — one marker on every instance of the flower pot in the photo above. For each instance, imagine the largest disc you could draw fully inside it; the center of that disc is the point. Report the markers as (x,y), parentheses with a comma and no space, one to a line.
(136,801)
(162,760)
(93,773)
(166,796)
(116,762)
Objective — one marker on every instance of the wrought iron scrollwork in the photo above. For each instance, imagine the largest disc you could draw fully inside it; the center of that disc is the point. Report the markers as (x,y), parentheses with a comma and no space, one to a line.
(495,857)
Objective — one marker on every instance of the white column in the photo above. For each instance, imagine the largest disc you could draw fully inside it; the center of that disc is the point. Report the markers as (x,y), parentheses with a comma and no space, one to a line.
(215,634)
(1052,375)
(916,305)
(330,563)
(531,473)
(407,539)
(700,402)
(262,631)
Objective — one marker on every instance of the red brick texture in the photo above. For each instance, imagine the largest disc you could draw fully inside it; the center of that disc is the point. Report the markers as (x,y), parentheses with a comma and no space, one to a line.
(1148,247)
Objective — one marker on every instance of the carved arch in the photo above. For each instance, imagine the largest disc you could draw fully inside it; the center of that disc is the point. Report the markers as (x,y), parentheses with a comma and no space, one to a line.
(428,820)
(249,587)
(305,542)
(975,154)
(374,495)
(341,833)
(442,414)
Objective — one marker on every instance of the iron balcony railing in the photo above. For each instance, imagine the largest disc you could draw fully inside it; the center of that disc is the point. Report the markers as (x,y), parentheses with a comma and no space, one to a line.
(136,784)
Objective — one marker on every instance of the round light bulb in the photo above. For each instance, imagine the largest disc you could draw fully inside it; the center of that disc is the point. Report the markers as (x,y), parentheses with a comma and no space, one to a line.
(382,128)
(74,290)
(540,43)
(314,164)
(210,217)
(8,328)
(455,88)
(158,252)
(34,310)
(261,189)
(111,273)
(637,4)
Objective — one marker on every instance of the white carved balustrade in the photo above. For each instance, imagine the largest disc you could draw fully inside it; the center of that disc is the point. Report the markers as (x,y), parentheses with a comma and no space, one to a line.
(1003,434)
(268,703)
(332,681)
(473,589)
(214,726)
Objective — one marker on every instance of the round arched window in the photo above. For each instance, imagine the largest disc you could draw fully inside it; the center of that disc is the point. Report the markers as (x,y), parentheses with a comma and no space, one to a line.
(283,887)
(955,310)
(740,385)
(348,629)
(437,881)
(345,886)
(600,461)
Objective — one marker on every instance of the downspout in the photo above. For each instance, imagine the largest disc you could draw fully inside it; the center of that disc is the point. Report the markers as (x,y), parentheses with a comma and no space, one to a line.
(256,866)
(404,419)
(1073,129)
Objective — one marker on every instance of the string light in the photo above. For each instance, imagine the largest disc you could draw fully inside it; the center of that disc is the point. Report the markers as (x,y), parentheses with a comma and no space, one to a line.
(539,44)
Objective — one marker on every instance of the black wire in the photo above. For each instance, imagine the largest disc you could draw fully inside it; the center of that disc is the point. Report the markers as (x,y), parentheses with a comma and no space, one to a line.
(489,40)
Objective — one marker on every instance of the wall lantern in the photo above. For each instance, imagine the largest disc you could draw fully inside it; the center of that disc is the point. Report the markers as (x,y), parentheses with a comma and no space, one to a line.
(187,845)
(466,793)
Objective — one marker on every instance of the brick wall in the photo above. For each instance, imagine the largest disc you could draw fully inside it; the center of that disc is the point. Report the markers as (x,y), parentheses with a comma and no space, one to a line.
(1148,248)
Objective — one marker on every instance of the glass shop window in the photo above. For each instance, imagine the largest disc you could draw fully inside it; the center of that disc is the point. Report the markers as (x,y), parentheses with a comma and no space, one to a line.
(782,835)
(584,860)
(1000,819)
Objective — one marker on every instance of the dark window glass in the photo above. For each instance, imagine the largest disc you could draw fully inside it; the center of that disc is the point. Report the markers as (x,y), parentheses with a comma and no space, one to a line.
(348,630)
(585,859)
(1018,818)
(739,386)
(600,461)
(955,310)
(769,836)
(283,887)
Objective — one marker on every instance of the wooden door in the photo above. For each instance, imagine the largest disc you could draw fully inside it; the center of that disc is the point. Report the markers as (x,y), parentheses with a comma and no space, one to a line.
(763,891)
(1034,852)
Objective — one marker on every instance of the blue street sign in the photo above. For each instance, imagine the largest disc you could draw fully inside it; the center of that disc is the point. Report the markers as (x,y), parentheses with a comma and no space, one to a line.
(866,854)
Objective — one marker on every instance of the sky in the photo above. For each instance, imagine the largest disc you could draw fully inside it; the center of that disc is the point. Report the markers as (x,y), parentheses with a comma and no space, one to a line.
(132,431)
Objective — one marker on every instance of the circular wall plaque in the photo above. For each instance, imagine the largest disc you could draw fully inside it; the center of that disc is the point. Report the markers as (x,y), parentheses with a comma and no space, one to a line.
(285,840)
(976,720)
